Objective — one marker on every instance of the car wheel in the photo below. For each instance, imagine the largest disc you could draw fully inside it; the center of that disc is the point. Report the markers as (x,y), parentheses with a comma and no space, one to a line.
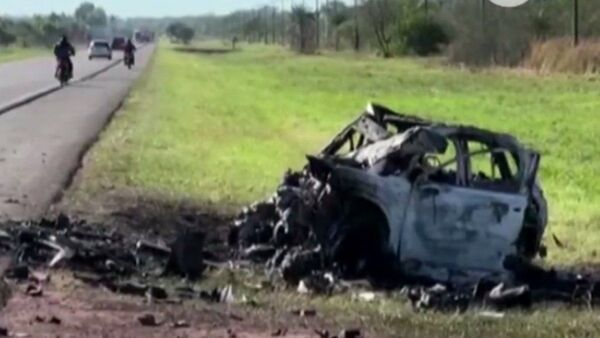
(359,241)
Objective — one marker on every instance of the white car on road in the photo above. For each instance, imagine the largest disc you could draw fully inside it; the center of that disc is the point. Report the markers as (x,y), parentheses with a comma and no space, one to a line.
(100,49)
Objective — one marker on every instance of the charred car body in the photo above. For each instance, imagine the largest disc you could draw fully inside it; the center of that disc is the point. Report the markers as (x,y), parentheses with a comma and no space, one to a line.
(399,194)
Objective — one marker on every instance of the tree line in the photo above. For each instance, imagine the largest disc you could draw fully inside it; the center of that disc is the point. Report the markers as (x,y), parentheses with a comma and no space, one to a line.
(86,22)
(468,31)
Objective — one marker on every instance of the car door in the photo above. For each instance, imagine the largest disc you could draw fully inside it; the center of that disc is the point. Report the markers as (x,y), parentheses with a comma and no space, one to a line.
(459,229)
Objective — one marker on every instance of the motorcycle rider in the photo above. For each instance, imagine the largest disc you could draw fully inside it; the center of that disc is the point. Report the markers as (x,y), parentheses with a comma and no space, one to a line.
(130,50)
(63,51)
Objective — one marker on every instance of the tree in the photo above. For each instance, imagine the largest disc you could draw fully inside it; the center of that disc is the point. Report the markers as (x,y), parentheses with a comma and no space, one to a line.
(383,17)
(84,11)
(98,18)
(425,36)
(304,24)
(180,32)
(94,16)
(337,14)
(6,37)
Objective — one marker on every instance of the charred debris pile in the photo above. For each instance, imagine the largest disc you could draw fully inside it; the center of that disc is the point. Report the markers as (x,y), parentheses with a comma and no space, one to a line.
(454,214)
(125,263)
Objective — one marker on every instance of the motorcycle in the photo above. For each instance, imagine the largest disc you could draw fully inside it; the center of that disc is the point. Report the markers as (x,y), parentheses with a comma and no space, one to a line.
(63,75)
(128,60)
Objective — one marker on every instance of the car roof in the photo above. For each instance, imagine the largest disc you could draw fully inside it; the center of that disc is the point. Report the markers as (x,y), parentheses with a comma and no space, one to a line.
(99,41)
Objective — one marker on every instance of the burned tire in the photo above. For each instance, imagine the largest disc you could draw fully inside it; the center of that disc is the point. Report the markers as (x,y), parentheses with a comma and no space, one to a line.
(359,247)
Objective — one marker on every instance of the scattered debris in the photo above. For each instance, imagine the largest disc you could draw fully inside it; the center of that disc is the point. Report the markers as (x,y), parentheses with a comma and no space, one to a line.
(180,324)
(5,292)
(305,312)
(236,317)
(491,314)
(322,333)
(558,243)
(216,295)
(55,320)
(226,295)
(279,333)
(317,283)
(149,320)
(187,255)
(365,296)
(156,292)
(39,277)
(352,333)
(97,255)
(34,290)
(19,272)
(438,297)
(302,288)
(502,297)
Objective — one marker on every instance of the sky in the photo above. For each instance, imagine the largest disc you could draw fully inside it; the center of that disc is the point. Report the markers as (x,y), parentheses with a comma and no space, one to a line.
(130,8)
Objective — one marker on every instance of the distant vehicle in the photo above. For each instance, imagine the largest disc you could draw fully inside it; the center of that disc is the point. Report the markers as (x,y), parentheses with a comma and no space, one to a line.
(143,36)
(100,49)
(118,43)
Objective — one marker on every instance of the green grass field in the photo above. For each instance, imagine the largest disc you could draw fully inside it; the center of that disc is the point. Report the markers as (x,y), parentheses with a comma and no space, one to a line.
(222,128)
(14,53)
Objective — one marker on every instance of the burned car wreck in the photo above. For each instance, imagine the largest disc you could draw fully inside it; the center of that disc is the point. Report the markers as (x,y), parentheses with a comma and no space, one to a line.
(394,196)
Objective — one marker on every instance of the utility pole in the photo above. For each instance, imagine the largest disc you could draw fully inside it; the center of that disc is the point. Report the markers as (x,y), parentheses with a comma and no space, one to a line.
(274,25)
(356,30)
(483,15)
(283,22)
(575,22)
(318,19)
(327,26)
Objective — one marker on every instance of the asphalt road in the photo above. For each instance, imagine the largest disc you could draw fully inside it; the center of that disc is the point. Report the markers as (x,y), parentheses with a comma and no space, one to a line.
(23,77)
(41,143)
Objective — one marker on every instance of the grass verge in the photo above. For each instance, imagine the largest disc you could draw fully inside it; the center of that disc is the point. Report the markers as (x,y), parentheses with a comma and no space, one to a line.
(14,53)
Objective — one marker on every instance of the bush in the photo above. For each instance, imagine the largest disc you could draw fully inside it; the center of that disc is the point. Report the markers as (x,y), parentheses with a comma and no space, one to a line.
(425,36)
(180,32)
(503,39)
(6,37)
(559,55)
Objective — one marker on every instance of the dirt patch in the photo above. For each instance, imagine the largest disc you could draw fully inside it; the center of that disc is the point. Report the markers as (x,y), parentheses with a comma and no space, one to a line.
(153,214)
(71,309)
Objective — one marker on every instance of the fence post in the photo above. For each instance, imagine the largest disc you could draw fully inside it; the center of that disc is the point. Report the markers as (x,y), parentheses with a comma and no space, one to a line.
(575,22)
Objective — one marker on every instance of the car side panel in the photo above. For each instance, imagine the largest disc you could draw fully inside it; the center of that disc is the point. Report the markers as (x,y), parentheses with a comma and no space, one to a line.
(456,228)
